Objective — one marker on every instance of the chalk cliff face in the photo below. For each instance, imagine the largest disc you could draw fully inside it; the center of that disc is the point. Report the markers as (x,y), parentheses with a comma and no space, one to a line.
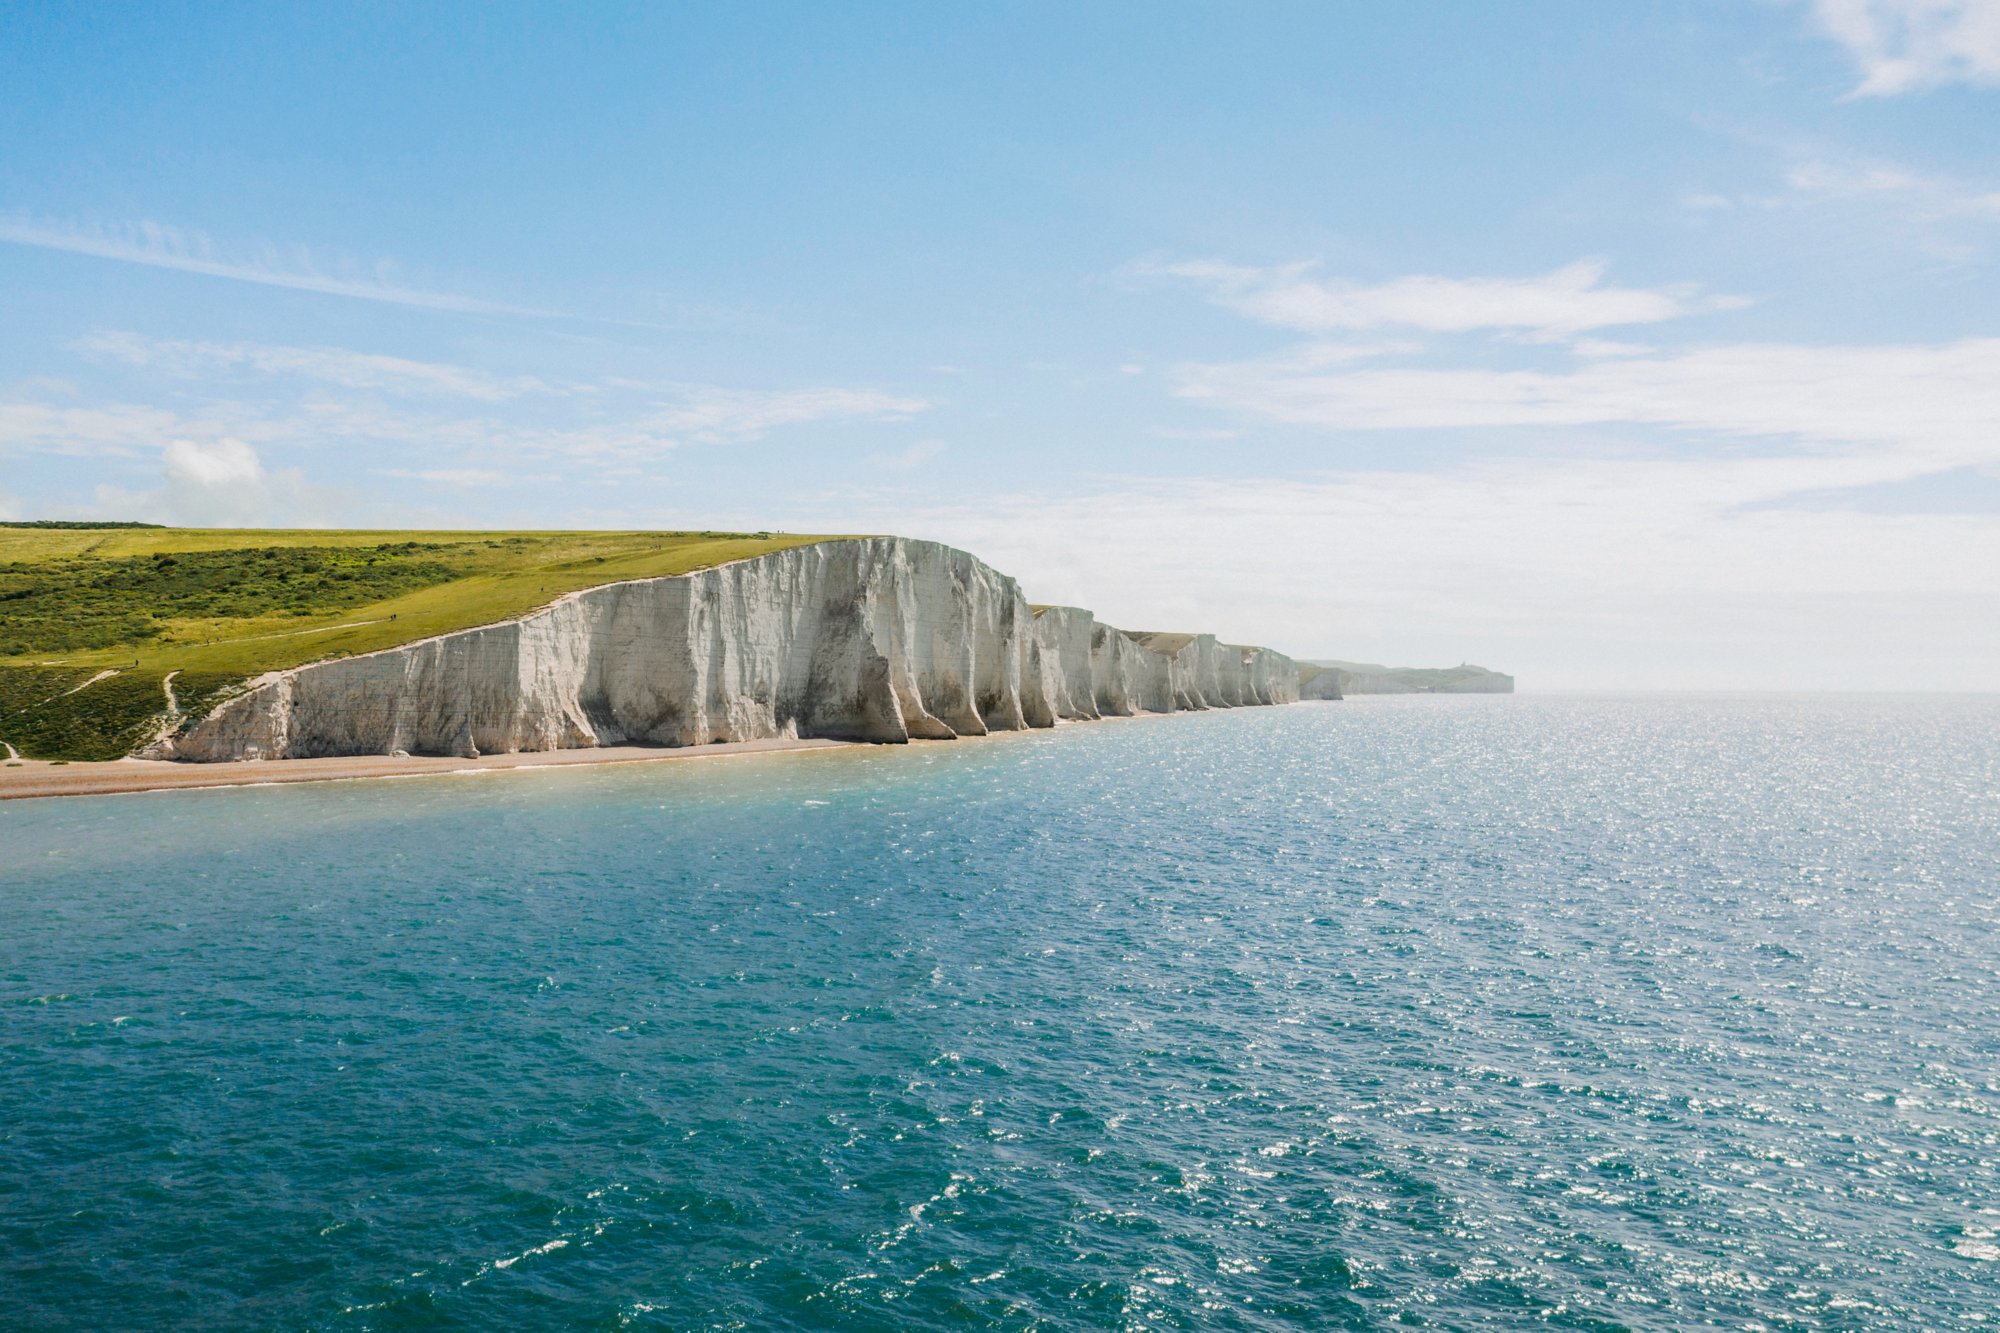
(1063,638)
(878,639)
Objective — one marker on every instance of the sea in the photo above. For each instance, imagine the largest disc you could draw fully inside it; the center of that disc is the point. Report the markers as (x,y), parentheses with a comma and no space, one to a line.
(1485,1012)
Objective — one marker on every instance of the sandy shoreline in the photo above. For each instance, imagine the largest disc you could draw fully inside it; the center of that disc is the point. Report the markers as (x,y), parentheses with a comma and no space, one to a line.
(25,779)
(32,779)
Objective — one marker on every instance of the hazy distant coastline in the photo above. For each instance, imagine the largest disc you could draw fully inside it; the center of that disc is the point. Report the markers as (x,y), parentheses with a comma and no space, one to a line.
(1334,679)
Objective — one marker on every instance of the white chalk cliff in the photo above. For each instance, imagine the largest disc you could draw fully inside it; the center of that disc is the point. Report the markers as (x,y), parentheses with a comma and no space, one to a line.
(874,639)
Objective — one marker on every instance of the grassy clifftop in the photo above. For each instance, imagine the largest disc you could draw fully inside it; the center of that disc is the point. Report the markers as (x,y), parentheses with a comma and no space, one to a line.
(93,621)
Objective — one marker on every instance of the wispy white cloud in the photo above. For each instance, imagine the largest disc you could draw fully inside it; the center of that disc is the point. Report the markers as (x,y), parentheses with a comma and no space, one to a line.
(705,415)
(1933,401)
(327,365)
(1607,347)
(908,460)
(437,416)
(634,433)
(156,245)
(291,397)
(1569,300)
(1931,197)
(1910,45)
(466,477)
(103,428)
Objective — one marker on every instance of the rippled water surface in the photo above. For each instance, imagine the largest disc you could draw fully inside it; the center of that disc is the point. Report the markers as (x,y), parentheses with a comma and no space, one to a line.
(1448,1013)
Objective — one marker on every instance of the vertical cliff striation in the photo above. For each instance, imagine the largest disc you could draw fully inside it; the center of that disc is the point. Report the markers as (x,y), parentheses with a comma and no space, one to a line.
(1062,646)
(876,639)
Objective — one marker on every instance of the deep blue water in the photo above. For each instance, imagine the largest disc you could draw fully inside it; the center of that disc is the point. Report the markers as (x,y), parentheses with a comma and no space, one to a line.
(1451,1013)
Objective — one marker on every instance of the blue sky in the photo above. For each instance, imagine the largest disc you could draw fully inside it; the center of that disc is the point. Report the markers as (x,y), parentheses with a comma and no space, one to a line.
(1618,345)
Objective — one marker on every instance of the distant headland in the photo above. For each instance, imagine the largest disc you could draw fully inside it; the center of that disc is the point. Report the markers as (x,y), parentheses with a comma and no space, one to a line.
(1332,679)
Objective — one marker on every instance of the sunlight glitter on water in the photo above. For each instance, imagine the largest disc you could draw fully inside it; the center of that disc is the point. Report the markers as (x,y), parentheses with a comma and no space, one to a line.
(1610,1013)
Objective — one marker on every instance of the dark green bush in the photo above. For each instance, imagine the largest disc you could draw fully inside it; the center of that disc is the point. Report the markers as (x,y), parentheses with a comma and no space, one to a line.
(108,720)
(54,605)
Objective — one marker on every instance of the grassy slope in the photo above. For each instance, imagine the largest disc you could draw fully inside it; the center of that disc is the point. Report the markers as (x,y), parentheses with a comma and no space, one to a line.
(504,575)
(1160,641)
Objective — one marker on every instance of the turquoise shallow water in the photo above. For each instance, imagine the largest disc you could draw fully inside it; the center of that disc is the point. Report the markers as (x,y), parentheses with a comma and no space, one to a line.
(1448,1013)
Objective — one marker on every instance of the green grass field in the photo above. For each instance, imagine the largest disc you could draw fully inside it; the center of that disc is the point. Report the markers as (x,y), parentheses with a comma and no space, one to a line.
(219,606)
